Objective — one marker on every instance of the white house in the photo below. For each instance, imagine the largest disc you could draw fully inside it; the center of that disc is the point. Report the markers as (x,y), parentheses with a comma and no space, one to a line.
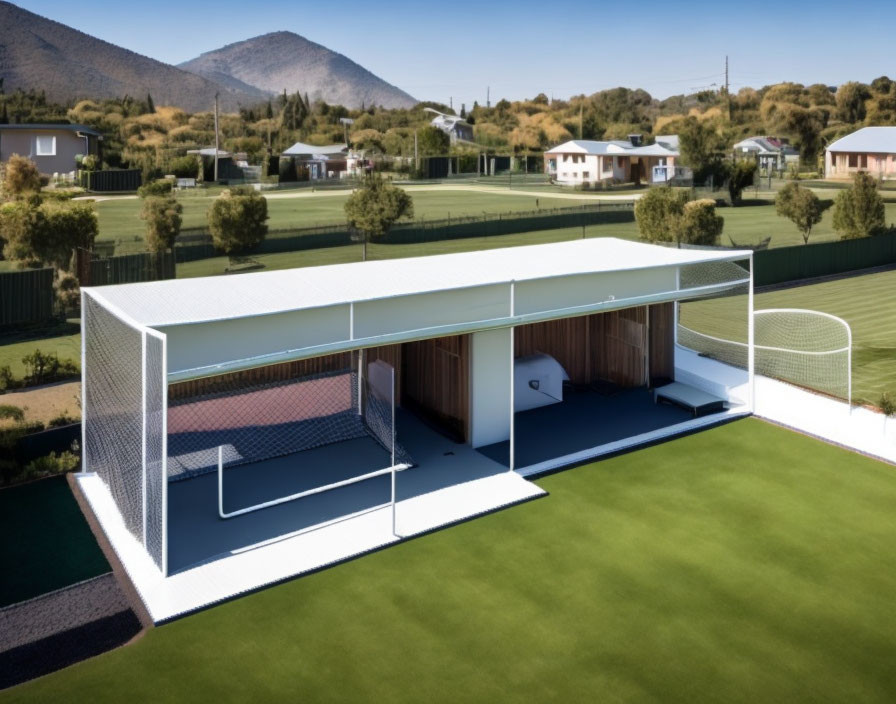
(870,149)
(770,152)
(327,161)
(589,162)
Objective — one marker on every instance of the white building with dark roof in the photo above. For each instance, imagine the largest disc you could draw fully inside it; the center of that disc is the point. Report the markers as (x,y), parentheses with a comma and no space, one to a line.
(870,149)
(769,152)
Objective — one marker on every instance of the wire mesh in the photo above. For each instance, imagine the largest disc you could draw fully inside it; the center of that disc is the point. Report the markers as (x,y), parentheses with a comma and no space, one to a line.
(114,409)
(258,421)
(156,392)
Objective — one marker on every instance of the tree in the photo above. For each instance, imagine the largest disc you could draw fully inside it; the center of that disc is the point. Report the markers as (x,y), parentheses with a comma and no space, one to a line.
(658,213)
(20,177)
(701,149)
(237,220)
(851,99)
(741,173)
(699,223)
(374,207)
(801,206)
(859,210)
(431,141)
(150,105)
(48,234)
(163,220)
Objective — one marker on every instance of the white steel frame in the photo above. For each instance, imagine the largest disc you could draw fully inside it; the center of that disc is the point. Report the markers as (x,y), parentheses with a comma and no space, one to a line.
(391,470)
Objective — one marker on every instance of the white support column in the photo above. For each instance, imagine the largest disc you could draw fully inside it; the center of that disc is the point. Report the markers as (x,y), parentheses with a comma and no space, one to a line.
(143,426)
(84,468)
(512,444)
(677,312)
(751,349)
(164,468)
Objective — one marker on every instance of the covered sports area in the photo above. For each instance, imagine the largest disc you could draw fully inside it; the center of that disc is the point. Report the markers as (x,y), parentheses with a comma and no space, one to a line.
(241,430)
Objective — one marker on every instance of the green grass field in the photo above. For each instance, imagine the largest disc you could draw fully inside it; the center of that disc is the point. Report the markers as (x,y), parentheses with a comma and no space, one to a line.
(746,225)
(64,339)
(46,543)
(865,302)
(742,564)
(120,218)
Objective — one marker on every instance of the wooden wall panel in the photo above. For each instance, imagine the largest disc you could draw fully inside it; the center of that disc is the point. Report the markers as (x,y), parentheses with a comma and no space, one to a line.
(436,382)
(566,340)
(618,346)
(662,342)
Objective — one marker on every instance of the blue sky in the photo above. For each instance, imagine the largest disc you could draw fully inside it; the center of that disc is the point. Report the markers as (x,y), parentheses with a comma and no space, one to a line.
(437,50)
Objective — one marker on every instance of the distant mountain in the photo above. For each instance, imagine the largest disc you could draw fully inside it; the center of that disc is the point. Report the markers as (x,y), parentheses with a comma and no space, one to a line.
(283,60)
(67,64)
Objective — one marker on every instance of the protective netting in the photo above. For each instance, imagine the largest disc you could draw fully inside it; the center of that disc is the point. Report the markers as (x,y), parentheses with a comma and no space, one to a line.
(156,394)
(263,420)
(805,348)
(731,276)
(113,409)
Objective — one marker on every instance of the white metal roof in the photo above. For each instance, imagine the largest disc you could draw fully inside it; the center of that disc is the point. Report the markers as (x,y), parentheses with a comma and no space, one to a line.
(880,140)
(300,148)
(181,301)
(588,146)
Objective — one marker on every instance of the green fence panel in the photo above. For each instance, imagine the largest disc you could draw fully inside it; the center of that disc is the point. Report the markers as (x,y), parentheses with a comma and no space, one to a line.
(775,266)
(26,297)
(132,268)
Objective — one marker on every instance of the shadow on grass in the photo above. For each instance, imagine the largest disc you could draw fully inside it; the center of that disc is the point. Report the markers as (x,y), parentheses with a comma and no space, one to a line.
(72,326)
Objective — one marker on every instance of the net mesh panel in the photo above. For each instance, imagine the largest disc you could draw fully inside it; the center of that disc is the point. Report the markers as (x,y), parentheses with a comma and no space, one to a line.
(156,392)
(259,421)
(803,348)
(114,409)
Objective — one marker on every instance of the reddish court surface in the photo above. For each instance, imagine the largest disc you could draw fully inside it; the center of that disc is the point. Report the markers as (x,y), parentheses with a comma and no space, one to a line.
(283,403)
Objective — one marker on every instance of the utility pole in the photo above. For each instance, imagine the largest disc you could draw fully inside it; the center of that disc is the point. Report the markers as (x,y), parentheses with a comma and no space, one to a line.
(216,138)
(727,91)
(488,92)
(451,103)
(726,75)
(416,157)
(581,118)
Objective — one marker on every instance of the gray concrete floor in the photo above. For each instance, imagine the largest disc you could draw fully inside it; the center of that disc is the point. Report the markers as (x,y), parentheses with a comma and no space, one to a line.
(197,534)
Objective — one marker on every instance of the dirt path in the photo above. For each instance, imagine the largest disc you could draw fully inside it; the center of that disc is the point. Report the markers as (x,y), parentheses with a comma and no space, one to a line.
(44,403)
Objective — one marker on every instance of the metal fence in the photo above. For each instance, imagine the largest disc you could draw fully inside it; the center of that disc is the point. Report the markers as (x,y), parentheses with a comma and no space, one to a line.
(131,268)
(26,297)
(197,244)
(112,180)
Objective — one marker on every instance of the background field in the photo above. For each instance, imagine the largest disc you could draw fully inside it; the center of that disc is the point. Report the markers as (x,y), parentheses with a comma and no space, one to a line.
(746,225)
(865,302)
(742,564)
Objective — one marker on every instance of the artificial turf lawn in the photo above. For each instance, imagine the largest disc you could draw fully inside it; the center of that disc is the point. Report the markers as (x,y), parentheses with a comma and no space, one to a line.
(742,564)
(865,302)
(46,542)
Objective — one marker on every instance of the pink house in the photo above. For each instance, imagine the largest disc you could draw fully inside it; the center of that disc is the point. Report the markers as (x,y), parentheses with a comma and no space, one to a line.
(870,149)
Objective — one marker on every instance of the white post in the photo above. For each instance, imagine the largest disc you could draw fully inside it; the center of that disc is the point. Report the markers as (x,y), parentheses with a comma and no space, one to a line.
(849,371)
(164,468)
(677,304)
(751,349)
(84,469)
(512,448)
(361,382)
(221,482)
(392,373)
(143,426)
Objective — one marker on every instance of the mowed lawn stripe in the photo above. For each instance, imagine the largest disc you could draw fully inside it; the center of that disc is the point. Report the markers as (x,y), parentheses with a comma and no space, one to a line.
(745,563)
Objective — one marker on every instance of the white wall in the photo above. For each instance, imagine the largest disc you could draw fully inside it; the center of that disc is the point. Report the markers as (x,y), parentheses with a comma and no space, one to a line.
(490,387)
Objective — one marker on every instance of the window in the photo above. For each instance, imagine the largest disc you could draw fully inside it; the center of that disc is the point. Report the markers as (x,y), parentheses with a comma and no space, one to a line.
(863,161)
(853,161)
(46,146)
(608,163)
(585,175)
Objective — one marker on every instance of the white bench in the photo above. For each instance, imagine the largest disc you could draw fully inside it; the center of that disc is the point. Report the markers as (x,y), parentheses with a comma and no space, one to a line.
(695,400)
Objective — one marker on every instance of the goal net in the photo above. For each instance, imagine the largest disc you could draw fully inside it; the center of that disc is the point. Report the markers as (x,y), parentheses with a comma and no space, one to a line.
(255,418)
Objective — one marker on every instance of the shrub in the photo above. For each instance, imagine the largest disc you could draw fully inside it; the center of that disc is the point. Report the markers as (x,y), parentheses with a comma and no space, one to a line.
(61,420)
(47,234)
(160,187)
(859,210)
(185,166)
(20,176)
(887,404)
(8,412)
(237,220)
(658,213)
(68,292)
(43,368)
(740,175)
(700,224)
(801,206)
(7,381)
(163,220)
(51,464)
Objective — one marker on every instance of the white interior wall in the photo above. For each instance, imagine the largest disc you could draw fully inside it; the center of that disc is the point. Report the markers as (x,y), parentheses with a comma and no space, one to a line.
(490,375)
